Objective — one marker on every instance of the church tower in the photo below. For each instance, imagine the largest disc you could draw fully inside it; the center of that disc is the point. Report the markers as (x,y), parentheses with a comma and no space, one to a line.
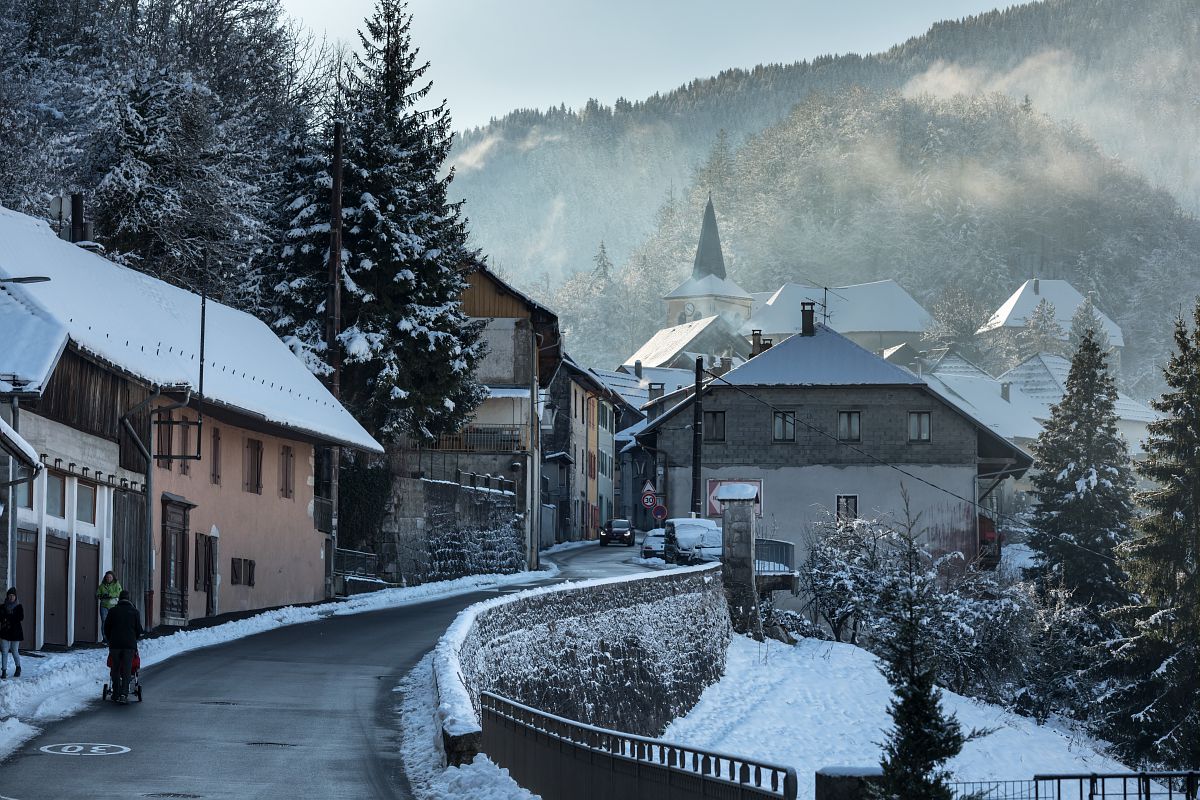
(708,292)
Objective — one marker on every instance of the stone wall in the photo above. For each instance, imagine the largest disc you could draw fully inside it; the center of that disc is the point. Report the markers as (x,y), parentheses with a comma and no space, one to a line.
(630,654)
(439,530)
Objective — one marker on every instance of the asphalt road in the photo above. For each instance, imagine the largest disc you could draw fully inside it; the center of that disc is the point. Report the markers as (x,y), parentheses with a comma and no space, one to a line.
(305,711)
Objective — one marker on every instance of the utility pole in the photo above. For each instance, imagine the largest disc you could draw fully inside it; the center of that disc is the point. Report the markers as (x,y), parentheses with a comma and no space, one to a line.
(334,310)
(697,439)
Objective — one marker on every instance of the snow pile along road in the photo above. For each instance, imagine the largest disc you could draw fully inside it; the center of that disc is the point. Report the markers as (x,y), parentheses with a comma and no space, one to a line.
(61,684)
(824,704)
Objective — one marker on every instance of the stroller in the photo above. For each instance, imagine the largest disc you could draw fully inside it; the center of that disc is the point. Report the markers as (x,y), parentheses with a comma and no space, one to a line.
(135,680)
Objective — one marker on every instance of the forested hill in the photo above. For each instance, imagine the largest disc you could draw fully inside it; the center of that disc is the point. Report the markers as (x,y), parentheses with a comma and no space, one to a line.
(545,187)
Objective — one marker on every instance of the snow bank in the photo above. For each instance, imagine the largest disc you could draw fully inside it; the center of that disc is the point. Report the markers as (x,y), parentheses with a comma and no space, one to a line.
(61,684)
(565,546)
(820,704)
(628,652)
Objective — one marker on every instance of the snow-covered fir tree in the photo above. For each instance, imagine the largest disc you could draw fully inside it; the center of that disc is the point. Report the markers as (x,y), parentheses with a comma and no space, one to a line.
(955,316)
(409,350)
(1084,486)
(1152,713)
(1086,319)
(1042,333)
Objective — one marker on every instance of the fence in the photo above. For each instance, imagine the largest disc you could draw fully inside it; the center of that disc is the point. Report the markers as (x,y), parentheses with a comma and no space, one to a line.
(355,562)
(559,758)
(1112,786)
(773,556)
(484,439)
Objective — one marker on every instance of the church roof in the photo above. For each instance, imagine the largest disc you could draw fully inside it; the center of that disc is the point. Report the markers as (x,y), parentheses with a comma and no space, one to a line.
(709,259)
(708,286)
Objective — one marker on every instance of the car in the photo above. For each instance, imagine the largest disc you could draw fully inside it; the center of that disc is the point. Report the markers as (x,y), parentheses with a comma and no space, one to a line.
(653,543)
(690,540)
(617,530)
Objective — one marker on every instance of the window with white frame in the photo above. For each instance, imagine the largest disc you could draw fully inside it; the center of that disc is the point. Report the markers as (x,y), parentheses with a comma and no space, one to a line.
(847,507)
(56,495)
(85,503)
(784,426)
(918,426)
(850,426)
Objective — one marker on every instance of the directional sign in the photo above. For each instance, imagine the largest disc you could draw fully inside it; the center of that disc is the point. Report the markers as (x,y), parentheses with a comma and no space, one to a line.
(714,505)
(659,513)
(649,501)
(84,749)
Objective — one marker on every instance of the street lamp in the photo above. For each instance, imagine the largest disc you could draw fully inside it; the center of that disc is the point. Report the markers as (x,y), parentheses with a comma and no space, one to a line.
(26,279)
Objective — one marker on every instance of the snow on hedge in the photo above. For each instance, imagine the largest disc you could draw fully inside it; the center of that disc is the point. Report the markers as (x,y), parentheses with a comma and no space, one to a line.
(822,704)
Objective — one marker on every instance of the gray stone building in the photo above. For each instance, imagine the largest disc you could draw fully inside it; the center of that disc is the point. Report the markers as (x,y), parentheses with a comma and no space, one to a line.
(826,428)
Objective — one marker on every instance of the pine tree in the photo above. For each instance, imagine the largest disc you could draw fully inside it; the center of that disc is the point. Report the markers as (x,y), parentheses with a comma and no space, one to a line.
(923,738)
(955,316)
(1086,319)
(1084,486)
(1153,714)
(409,350)
(1042,333)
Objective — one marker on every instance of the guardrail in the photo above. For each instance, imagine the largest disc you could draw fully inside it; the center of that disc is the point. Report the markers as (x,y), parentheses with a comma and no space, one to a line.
(355,562)
(1079,786)
(560,758)
(773,556)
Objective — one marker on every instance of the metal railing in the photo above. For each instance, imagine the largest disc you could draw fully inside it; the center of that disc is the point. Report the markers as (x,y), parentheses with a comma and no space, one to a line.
(355,562)
(1110,786)
(773,556)
(483,438)
(560,758)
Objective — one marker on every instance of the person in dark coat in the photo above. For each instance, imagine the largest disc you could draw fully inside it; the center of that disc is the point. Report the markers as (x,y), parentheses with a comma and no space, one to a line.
(122,628)
(12,614)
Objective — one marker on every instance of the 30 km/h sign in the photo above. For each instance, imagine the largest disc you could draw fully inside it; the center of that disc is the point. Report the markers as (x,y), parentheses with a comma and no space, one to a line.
(84,749)
(649,501)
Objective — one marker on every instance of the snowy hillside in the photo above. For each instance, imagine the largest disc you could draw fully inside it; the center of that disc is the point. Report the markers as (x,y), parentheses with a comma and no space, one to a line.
(823,704)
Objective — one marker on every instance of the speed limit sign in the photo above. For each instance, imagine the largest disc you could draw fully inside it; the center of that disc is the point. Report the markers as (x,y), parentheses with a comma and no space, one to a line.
(649,501)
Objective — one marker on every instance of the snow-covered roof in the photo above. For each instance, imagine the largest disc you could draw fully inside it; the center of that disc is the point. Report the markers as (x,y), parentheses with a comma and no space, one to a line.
(1043,377)
(877,306)
(12,443)
(1066,300)
(665,345)
(628,434)
(508,392)
(670,378)
(982,398)
(948,362)
(826,358)
(151,330)
(633,390)
(708,286)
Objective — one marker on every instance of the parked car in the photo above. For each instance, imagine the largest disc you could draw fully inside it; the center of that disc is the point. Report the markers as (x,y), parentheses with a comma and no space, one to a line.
(653,543)
(617,530)
(691,541)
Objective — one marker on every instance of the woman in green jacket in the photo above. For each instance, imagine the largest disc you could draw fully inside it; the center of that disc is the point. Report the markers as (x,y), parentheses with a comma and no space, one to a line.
(108,593)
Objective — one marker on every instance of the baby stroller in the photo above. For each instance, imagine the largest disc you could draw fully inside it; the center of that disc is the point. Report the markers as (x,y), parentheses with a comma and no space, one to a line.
(135,680)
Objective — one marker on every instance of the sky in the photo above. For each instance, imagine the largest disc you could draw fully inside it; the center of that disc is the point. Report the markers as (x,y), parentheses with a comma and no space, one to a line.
(492,56)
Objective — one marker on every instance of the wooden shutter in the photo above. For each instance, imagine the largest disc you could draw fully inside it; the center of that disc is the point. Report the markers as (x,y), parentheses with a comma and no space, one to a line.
(198,583)
(165,437)
(185,446)
(258,466)
(235,571)
(183,566)
(250,572)
(215,456)
(287,471)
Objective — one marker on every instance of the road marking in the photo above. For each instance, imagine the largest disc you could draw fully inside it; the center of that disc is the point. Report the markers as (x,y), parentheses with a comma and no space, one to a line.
(84,749)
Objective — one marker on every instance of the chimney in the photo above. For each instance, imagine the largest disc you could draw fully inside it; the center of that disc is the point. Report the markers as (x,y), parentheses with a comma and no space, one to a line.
(755,343)
(1037,286)
(1005,391)
(726,364)
(656,393)
(807,312)
(766,344)
(637,369)
(77,228)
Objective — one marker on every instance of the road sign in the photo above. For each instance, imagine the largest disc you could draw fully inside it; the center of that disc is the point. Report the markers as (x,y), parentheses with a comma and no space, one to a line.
(714,505)
(649,501)
(659,513)
(648,487)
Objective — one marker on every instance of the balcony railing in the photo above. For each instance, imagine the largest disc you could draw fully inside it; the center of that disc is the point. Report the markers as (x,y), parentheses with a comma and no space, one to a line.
(484,439)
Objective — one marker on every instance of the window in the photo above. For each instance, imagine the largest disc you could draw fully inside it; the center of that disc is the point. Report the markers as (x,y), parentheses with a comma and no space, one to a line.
(850,426)
(85,503)
(785,426)
(165,438)
(215,457)
(252,466)
(918,426)
(25,494)
(714,426)
(185,447)
(287,472)
(56,495)
(241,572)
(847,507)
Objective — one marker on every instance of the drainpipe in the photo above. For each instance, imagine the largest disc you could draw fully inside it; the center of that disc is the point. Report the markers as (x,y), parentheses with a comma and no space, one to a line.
(147,455)
(12,503)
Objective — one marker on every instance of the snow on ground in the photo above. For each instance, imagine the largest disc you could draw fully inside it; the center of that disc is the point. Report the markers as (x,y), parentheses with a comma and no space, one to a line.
(823,704)
(564,546)
(656,563)
(58,685)
(421,750)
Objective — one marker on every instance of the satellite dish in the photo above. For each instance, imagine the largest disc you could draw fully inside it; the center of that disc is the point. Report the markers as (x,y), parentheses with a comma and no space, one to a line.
(56,207)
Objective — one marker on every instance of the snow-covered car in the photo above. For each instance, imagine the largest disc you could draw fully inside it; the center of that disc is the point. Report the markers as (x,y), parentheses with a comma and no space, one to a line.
(617,531)
(653,543)
(691,541)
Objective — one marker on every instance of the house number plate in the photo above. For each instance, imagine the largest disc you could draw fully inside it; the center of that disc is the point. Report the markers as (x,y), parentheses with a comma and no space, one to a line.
(84,749)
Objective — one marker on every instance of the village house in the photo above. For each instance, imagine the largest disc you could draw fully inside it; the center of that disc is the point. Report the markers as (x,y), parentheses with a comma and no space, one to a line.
(105,369)
(826,429)
(1013,315)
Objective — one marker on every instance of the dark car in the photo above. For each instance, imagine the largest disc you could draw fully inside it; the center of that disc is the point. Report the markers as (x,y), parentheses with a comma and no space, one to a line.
(691,541)
(617,531)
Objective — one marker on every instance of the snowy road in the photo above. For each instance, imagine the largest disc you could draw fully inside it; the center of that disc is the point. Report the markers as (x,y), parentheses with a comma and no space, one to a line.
(301,711)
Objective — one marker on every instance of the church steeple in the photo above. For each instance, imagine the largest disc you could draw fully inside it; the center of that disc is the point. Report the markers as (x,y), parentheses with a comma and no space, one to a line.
(709,260)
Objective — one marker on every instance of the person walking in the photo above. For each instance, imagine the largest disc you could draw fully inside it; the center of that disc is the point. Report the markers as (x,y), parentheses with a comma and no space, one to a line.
(107,593)
(12,631)
(122,628)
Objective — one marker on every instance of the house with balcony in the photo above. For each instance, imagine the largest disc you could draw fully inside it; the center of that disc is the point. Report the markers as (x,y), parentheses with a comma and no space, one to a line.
(827,429)
(182,445)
